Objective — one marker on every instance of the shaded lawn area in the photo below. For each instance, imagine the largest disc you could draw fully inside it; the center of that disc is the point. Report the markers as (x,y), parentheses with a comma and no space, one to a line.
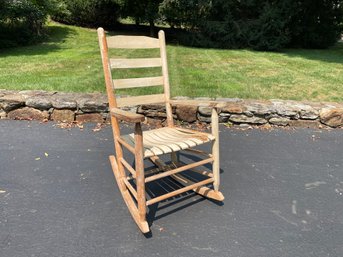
(70,61)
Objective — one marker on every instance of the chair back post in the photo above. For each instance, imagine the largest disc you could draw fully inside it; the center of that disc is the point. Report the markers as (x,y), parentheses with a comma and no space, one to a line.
(165,74)
(108,79)
(110,91)
(106,67)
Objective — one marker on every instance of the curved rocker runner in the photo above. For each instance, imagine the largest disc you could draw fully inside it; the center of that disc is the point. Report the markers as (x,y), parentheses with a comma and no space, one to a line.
(153,143)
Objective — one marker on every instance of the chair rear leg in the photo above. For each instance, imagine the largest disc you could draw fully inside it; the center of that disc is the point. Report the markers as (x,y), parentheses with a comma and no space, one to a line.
(215,150)
(175,157)
(215,165)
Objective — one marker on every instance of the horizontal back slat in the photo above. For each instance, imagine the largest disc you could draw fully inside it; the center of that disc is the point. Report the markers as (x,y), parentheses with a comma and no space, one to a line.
(137,82)
(135,63)
(132,42)
(142,99)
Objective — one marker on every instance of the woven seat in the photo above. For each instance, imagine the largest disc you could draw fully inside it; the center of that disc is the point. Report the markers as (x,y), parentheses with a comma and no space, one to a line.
(168,140)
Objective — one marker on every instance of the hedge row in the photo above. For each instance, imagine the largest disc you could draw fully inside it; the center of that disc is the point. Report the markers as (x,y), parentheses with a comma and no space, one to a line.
(259,24)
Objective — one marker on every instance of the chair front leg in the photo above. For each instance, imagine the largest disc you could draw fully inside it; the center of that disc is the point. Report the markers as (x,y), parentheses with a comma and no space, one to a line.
(140,179)
(215,149)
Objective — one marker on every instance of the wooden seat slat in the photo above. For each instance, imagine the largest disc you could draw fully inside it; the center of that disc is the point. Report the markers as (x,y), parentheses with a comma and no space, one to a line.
(171,144)
(167,140)
(184,143)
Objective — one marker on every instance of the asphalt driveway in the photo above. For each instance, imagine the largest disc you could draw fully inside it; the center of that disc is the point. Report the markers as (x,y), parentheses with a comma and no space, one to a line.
(58,197)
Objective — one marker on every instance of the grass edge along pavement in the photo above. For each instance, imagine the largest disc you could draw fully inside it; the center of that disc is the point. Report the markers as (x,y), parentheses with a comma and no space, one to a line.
(69,61)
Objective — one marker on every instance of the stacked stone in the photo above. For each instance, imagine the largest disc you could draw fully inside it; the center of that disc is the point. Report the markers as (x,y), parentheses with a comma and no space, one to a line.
(62,107)
(257,112)
(70,107)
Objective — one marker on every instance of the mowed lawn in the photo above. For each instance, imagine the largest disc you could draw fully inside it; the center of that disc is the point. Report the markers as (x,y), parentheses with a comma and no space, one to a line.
(69,61)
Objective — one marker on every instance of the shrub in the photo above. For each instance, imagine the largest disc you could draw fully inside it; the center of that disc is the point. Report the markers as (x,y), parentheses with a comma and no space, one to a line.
(317,23)
(21,22)
(259,24)
(189,13)
(88,13)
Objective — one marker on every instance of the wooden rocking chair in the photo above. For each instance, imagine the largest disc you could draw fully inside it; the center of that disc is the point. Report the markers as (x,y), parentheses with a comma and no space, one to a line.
(150,144)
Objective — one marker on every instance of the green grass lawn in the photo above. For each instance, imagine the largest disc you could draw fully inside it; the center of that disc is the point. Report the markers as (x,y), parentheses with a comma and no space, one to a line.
(70,61)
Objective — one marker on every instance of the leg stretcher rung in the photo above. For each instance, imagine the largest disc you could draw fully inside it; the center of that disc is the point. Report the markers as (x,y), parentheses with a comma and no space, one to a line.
(127,146)
(130,187)
(196,151)
(179,191)
(128,167)
(177,170)
(201,190)
(202,172)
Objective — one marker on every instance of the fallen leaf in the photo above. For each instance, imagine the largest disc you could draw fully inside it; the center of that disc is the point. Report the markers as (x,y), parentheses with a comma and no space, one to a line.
(79,125)
(98,127)
(2,191)
(37,159)
(64,125)
(46,154)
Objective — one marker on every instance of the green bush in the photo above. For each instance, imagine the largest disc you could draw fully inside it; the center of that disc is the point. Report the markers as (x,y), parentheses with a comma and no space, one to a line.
(88,13)
(232,24)
(258,24)
(185,13)
(21,22)
(317,23)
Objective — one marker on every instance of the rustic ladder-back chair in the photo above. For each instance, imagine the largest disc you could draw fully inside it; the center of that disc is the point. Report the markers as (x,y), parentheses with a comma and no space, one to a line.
(150,144)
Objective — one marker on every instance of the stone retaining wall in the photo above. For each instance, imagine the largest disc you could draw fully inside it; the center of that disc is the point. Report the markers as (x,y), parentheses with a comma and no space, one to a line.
(77,107)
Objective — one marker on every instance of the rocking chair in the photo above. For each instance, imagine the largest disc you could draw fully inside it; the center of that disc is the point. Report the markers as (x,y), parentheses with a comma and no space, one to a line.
(153,143)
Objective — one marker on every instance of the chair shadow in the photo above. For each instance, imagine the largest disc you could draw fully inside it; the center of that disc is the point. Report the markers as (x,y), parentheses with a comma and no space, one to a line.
(176,203)
(172,204)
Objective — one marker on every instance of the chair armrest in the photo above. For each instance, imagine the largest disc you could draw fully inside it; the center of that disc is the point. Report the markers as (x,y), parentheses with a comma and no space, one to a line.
(127,116)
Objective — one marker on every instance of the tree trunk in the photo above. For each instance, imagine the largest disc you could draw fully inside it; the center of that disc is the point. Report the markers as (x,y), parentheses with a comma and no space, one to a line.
(152,28)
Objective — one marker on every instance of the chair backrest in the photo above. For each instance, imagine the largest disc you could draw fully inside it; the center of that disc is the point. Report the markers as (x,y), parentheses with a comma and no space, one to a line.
(135,42)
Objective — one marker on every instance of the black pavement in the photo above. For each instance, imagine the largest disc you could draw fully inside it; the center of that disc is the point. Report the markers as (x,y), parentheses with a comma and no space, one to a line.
(58,197)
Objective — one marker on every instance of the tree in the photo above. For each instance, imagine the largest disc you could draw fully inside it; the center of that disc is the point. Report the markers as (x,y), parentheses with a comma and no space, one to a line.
(142,11)
(230,23)
(259,24)
(317,23)
(185,13)
(89,13)
(21,22)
